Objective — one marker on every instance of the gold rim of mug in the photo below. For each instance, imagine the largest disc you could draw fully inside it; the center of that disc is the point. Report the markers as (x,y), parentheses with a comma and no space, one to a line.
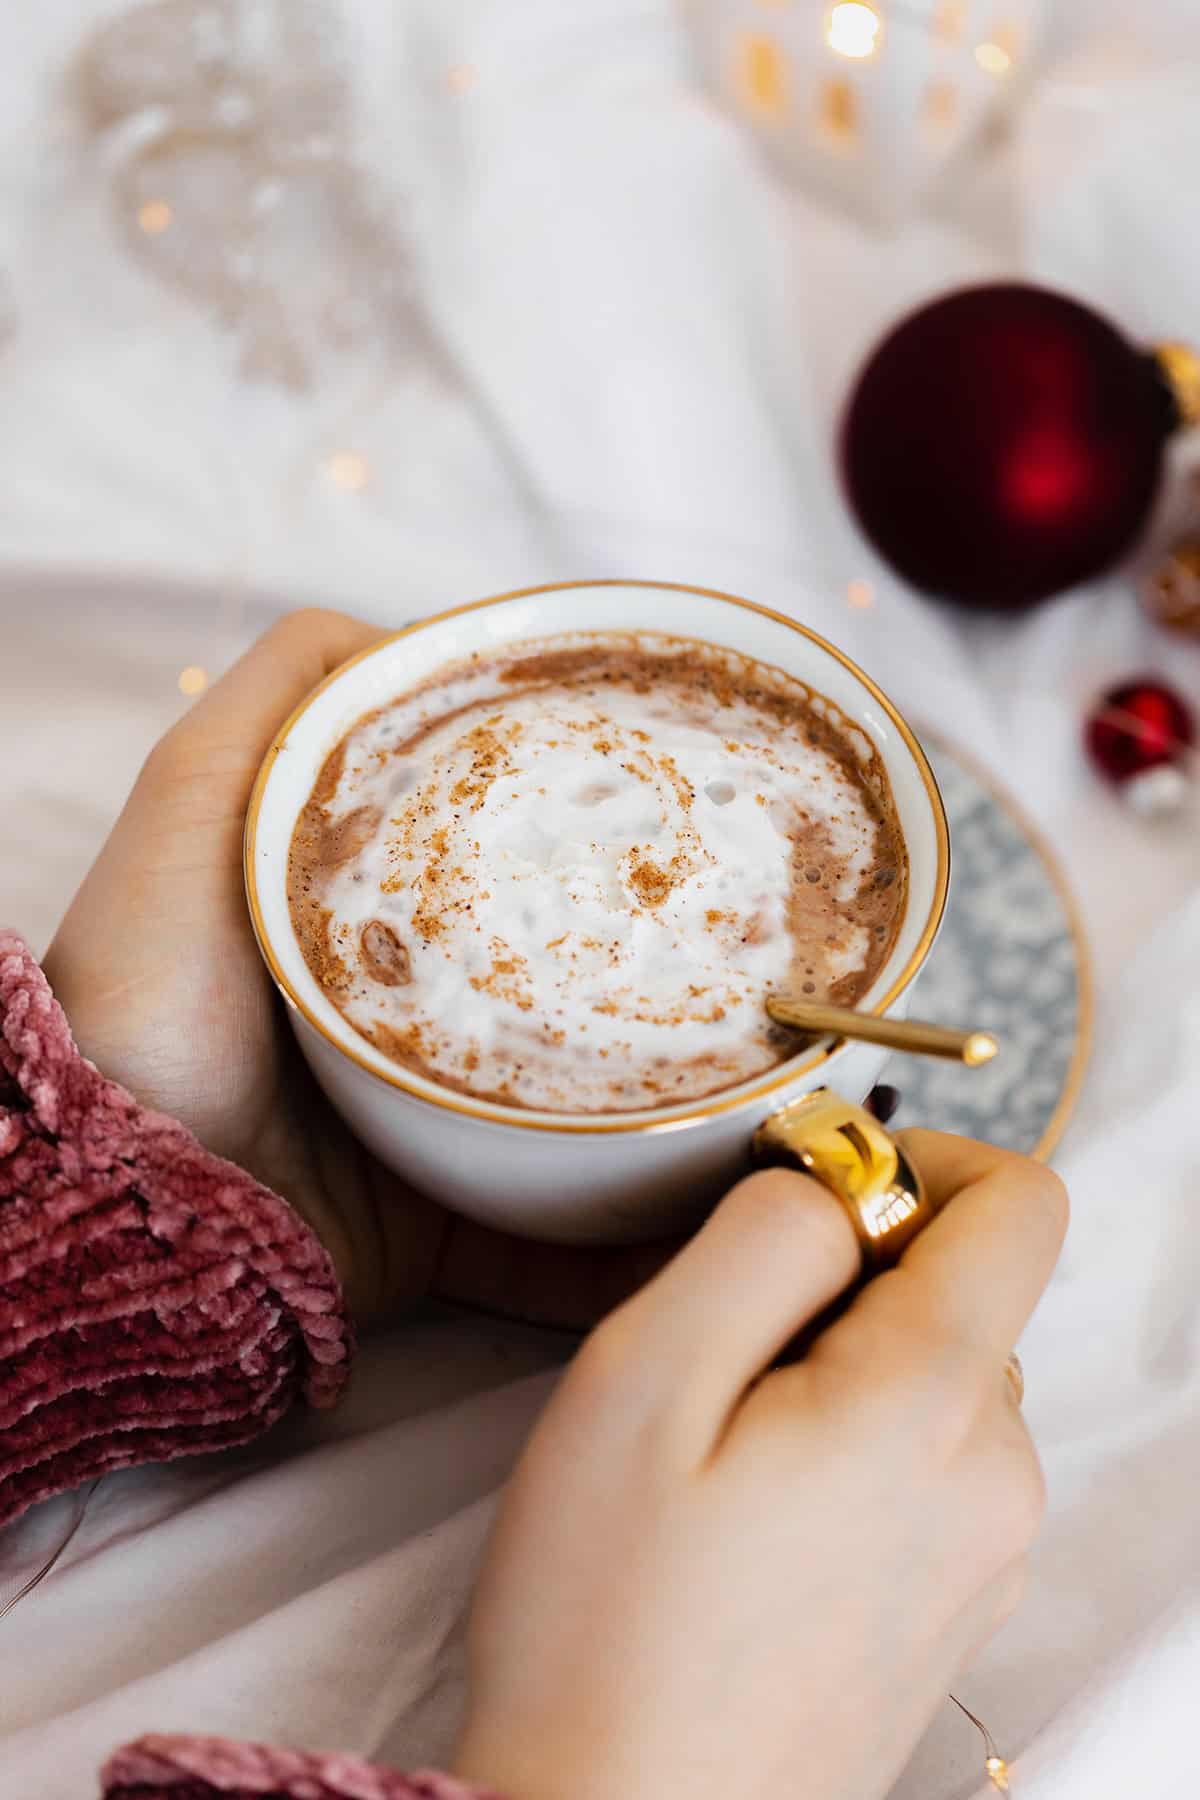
(783,1075)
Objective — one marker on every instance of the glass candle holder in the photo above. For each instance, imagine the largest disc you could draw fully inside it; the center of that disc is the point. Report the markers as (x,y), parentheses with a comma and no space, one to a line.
(867,103)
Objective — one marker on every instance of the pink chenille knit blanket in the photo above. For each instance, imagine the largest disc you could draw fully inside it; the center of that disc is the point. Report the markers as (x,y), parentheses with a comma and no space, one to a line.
(155,1301)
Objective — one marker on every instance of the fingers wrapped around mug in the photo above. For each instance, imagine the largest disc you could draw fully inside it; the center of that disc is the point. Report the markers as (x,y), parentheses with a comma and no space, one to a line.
(764,1569)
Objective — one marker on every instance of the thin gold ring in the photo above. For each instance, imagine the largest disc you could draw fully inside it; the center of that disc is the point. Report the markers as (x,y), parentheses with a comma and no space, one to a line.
(846,1149)
(1016,1377)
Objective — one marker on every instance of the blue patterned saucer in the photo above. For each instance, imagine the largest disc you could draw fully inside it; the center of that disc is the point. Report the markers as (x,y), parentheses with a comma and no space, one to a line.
(1011,959)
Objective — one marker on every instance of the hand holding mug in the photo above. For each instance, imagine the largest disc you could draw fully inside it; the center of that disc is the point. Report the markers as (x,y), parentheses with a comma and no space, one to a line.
(713,1576)
(156,966)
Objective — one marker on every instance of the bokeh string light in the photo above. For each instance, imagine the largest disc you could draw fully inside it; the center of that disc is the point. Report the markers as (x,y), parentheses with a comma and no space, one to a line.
(993,59)
(349,469)
(154,217)
(853,29)
(995,1766)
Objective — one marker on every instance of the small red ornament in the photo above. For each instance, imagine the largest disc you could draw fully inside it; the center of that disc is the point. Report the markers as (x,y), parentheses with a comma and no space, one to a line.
(1006,443)
(1140,735)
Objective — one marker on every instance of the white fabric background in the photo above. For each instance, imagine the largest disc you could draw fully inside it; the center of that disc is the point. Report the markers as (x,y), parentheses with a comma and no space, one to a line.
(646,342)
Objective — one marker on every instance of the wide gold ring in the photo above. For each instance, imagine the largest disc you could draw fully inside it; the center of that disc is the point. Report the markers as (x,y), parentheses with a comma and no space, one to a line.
(846,1149)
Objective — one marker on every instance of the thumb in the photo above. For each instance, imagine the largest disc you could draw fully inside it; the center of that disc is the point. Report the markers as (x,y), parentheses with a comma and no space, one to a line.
(241,713)
(174,854)
(775,1253)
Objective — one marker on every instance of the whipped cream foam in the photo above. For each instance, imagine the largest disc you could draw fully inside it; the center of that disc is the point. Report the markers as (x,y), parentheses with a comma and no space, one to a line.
(564,875)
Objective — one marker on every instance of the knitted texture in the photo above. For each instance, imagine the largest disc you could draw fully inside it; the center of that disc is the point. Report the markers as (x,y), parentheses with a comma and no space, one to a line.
(182,1768)
(155,1300)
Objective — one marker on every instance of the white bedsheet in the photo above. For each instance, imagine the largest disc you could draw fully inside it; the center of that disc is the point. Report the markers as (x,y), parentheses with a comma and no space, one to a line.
(648,342)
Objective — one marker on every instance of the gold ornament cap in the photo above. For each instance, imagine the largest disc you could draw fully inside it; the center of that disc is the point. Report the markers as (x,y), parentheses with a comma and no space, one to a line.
(1179,366)
(1172,594)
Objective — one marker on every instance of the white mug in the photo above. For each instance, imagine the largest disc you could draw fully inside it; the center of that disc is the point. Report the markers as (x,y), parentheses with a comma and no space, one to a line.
(581,1178)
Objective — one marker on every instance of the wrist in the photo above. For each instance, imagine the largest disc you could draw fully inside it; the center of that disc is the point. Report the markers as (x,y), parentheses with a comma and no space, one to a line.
(512,1765)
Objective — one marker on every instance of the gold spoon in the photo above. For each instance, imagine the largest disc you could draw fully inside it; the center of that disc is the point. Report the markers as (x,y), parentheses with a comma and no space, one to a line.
(973,1048)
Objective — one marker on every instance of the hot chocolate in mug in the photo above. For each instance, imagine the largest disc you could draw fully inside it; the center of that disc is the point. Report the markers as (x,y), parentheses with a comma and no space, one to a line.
(587,1177)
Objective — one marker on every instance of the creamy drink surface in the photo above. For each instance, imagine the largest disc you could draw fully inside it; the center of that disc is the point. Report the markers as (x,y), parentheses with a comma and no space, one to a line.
(565,874)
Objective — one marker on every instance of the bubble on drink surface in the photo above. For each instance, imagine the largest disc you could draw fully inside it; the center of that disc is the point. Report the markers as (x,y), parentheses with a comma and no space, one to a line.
(383,955)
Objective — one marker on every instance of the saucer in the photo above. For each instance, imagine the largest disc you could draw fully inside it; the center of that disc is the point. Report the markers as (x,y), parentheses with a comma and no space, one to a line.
(1011,959)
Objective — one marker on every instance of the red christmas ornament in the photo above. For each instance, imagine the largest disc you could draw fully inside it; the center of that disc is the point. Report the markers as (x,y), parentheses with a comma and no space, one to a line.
(1006,443)
(1140,735)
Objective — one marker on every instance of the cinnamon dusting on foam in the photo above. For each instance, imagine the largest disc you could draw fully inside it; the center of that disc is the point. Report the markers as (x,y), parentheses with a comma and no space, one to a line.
(565,875)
